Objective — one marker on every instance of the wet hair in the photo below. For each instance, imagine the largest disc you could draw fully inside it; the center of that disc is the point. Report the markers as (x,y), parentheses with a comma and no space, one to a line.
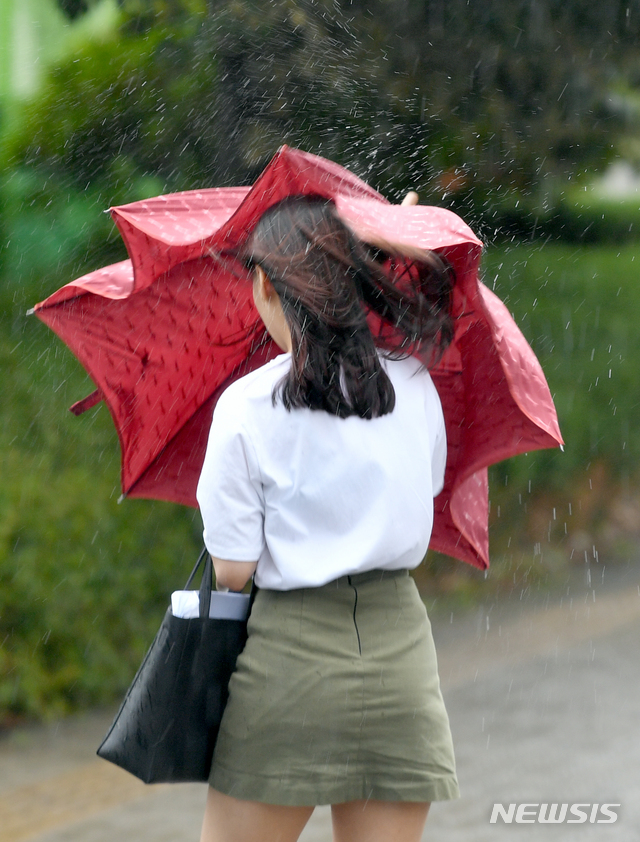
(334,291)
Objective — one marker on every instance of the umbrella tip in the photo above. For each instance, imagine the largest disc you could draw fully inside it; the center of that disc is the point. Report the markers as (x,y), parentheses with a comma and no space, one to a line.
(30,311)
(121,498)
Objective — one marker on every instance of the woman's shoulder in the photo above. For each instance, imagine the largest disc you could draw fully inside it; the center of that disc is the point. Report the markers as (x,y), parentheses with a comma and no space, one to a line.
(410,375)
(257,385)
(406,368)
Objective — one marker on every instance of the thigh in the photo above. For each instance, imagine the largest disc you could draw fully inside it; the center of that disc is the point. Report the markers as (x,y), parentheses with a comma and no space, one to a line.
(379,821)
(228,819)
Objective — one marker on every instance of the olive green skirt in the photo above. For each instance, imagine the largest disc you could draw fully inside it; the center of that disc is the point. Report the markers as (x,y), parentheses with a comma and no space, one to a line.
(336,697)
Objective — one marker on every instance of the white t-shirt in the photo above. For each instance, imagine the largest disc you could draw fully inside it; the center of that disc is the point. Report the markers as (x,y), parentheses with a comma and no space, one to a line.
(311,496)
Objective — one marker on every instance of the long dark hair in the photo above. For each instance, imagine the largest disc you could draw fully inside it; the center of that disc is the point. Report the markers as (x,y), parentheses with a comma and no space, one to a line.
(327,281)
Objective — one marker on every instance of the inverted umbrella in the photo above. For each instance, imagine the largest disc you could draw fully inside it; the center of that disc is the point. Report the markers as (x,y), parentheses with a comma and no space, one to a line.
(164,333)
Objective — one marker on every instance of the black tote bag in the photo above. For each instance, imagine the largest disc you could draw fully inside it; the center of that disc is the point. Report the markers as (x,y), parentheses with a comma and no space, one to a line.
(167,725)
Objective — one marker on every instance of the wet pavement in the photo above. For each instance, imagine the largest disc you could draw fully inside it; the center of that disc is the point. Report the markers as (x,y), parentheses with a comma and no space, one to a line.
(544,707)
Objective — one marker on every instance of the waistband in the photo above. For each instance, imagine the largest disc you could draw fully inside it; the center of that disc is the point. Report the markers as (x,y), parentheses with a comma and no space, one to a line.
(368,576)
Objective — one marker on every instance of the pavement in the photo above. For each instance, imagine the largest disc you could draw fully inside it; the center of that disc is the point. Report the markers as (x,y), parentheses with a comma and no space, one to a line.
(544,707)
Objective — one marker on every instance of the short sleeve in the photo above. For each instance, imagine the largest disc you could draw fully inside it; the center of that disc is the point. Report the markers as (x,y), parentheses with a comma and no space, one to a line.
(229,490)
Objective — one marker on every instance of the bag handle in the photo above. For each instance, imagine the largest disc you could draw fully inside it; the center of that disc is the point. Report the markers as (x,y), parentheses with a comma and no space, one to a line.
(195,569)
(206,583)
(206,586)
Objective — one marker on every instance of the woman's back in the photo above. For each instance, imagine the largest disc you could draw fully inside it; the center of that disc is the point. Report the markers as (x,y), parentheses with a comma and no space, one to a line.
(314,496)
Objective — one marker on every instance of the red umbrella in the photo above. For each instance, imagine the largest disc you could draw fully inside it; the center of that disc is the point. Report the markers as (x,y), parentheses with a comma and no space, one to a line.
(164,333)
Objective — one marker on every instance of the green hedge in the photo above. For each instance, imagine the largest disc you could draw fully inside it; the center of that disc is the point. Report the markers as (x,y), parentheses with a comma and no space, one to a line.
(578,308)
(83,582)
(577,216)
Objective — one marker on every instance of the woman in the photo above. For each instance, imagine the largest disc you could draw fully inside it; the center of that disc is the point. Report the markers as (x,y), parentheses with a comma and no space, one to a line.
(319,478)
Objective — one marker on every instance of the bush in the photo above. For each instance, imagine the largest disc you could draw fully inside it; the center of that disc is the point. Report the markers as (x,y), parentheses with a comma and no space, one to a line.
(83,582)
(577,307)
(576,216)
(203,100)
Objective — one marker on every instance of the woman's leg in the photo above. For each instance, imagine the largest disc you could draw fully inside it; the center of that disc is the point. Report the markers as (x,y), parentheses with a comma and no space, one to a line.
(379,821)
(228,819)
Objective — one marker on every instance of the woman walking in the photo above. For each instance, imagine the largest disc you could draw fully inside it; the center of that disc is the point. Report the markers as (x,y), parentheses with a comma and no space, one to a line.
(319,480)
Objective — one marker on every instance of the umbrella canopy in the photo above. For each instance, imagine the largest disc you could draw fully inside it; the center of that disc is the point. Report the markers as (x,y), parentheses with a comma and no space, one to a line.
(164,333)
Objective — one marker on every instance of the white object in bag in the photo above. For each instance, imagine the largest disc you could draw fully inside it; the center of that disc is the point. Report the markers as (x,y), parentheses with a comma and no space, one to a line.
(224,606)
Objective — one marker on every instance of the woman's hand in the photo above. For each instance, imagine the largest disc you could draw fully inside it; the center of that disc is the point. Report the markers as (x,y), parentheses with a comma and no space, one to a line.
(233,575)
(401,249)
(411,198)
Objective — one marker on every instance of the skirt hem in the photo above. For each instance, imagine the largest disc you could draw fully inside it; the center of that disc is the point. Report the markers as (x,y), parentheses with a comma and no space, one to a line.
(290,793)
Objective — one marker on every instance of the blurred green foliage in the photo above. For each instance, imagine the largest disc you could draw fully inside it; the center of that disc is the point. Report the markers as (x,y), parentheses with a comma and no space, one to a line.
(552,510)
(83,582)
(473,105)
(575,215)
(467,103)
(577,306)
